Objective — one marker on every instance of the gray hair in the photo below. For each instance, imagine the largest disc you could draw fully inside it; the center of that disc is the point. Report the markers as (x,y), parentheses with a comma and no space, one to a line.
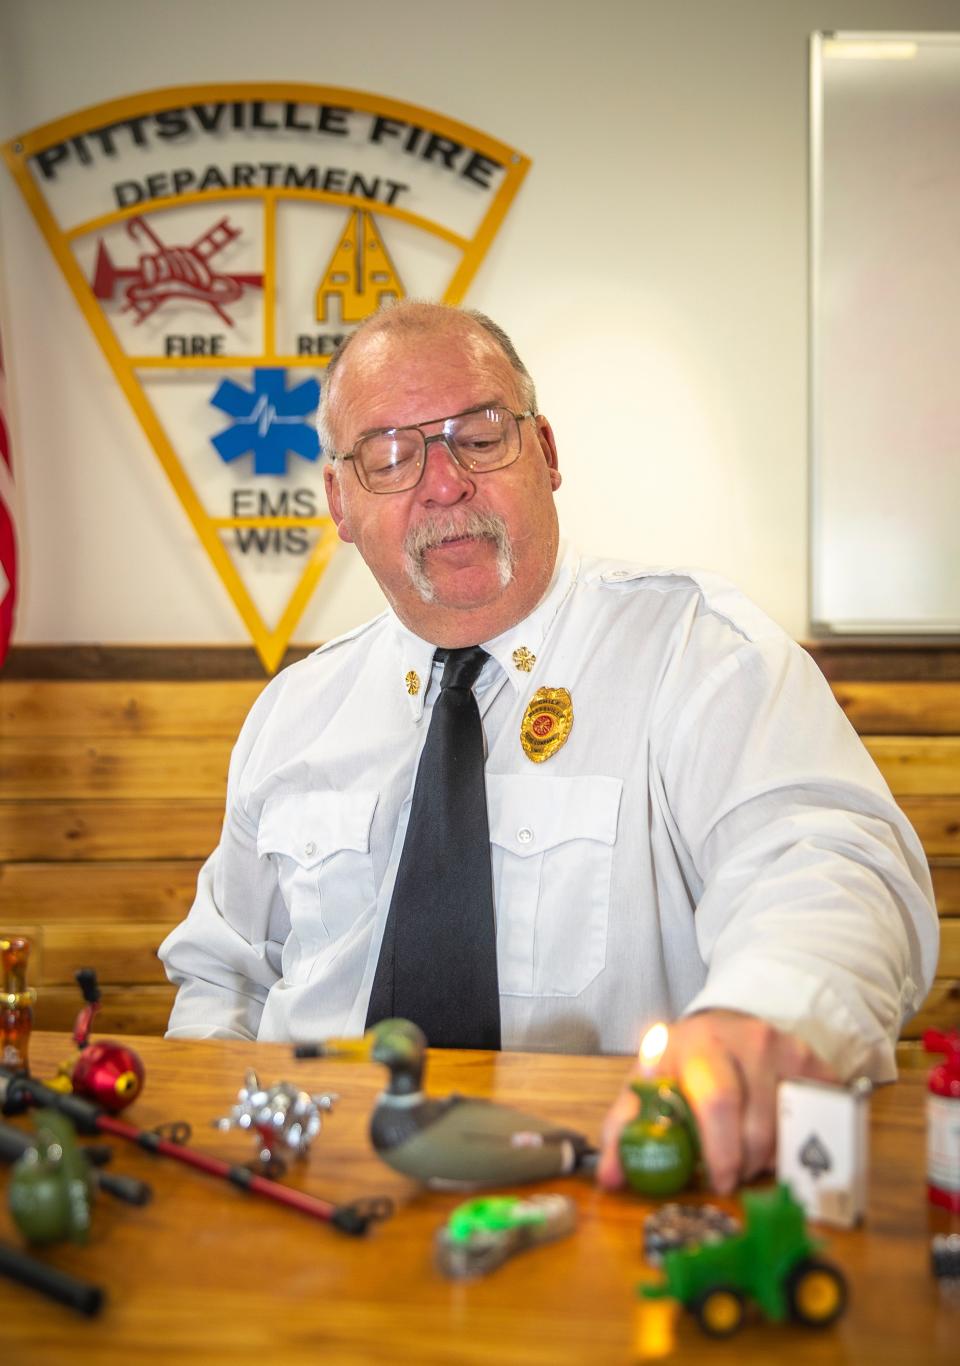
(412,316)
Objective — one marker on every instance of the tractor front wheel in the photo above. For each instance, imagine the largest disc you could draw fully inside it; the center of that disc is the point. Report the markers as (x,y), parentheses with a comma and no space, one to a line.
(816,1293)
(719,1311)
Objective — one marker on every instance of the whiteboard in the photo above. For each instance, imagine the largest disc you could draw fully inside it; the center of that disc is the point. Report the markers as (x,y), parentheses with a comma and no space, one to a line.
(885,334)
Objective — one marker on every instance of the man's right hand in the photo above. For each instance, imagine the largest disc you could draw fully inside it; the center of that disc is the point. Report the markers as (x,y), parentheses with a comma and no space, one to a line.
(728,1066)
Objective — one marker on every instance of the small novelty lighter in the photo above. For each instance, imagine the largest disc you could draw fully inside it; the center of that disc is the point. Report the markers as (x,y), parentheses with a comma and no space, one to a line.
(660,1149)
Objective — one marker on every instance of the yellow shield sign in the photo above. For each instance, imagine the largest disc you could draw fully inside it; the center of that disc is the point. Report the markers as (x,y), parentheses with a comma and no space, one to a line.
(220,240)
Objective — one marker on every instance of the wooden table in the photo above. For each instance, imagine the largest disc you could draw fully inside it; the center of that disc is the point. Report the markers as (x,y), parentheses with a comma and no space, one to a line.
(206,1273)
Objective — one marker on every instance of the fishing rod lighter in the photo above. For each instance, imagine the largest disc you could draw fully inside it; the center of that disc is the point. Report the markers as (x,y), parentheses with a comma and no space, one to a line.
(18,1092)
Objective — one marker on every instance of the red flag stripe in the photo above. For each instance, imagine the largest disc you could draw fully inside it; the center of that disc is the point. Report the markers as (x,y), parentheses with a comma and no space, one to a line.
(8,537)
(5,442)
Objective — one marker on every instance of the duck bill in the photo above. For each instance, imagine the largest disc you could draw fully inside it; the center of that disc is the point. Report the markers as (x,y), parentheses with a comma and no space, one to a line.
(349,1050)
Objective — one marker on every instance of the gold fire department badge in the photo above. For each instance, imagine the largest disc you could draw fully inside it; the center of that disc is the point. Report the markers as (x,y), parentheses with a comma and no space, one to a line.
(546,723)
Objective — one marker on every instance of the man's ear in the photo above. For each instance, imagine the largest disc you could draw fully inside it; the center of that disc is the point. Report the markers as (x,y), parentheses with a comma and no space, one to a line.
(548,444)
(331,483)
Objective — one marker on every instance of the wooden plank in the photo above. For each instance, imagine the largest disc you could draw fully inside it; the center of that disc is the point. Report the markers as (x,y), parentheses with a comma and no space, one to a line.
(901,708)
(91,710)
(116,896)
(125,1010)
(839,659)
(146,1009)
(34,767)
(158,662)
(60,830)
(941,1009)
(72,893)
(925,777)
(946,886)
(948,964)
(917,765)
(137,890)
(936,821)
(123,955)
(913,1057)
(894,661)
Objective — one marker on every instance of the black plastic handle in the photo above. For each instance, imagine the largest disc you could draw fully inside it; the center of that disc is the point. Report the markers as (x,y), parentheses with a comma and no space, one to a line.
(357,1217)
(58,1285)
(127,1188)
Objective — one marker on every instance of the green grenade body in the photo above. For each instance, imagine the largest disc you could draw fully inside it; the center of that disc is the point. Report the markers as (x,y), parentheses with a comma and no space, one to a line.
(659,1150)
(51,1186)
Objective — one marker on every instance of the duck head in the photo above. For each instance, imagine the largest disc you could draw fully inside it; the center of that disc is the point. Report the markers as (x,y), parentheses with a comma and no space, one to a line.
(401,1046)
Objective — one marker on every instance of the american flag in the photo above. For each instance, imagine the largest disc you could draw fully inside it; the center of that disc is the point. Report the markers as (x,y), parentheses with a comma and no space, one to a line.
(8,539)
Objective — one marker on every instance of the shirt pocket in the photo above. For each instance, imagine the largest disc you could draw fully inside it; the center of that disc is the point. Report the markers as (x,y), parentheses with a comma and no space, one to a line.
(552,845)
(320,844)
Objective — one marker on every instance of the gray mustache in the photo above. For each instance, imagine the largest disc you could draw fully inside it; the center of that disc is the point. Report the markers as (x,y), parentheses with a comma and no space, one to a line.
(447,527)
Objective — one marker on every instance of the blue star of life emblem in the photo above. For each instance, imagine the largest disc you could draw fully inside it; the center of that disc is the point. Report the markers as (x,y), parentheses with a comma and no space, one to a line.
(268,420)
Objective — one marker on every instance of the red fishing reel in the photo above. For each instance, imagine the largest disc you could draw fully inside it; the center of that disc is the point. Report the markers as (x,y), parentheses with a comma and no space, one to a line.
(107,1072)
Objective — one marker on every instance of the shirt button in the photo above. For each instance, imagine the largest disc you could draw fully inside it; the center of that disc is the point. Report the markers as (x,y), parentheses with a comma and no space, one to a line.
(310,849)
(524,834)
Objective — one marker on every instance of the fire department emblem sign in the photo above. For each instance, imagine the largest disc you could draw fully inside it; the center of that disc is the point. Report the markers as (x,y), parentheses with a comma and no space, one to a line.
(220,241)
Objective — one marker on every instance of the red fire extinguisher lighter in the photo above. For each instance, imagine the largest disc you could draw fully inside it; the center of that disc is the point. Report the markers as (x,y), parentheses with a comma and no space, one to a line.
(943,1120)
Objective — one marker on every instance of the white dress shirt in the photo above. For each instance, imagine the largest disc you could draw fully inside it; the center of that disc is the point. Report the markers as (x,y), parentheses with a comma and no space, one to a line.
(711,834)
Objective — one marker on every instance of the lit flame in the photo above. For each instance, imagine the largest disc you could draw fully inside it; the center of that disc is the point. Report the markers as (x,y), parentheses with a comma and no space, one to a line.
(653,1046)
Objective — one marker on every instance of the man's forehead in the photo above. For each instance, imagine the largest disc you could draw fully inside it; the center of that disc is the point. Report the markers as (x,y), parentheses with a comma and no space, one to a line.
(394,378)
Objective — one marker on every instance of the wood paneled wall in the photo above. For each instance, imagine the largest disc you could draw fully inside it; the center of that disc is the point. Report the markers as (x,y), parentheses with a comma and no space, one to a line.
(112,788)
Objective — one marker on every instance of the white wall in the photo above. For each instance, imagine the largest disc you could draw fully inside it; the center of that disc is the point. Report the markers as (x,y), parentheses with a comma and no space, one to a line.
(652,271)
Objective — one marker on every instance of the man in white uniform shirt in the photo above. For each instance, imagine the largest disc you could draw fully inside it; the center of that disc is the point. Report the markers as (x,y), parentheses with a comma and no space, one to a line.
(711,844)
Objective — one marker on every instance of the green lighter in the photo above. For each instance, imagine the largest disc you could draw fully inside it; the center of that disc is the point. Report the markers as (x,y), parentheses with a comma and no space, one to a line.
(660,1148)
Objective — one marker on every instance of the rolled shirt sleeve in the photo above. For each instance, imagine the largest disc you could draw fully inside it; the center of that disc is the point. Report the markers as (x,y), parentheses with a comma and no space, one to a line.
(816,908)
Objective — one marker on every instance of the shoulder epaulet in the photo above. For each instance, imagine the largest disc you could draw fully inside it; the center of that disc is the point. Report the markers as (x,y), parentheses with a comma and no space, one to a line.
(719,597)
(353,634)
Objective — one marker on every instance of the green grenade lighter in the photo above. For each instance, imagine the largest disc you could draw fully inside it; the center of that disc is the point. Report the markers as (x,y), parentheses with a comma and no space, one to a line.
(51,1186)
(660,1149)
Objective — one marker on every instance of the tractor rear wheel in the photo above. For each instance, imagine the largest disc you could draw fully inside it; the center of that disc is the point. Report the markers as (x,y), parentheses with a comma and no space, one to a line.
(816,1293)
(719,1311)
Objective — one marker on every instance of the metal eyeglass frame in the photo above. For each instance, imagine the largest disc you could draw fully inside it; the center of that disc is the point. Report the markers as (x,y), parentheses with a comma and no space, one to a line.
(437,436)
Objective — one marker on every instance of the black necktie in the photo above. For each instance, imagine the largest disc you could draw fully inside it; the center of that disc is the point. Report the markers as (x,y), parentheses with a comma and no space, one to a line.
(438,960)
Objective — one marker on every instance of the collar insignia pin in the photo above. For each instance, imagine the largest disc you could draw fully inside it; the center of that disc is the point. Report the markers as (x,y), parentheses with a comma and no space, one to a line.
(546,723)
(412,681)
(523,659)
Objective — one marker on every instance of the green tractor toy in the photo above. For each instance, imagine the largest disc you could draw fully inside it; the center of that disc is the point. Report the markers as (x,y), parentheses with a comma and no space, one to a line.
(773,1262)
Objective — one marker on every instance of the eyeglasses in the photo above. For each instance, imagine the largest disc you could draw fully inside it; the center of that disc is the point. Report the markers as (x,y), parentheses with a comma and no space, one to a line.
(481,439)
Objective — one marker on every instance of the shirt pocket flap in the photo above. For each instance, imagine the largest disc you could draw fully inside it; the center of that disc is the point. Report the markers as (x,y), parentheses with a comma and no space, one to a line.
(531,813)
(310,826)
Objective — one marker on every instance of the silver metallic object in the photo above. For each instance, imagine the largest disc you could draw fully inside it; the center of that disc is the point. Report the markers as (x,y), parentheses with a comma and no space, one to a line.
(284,1119)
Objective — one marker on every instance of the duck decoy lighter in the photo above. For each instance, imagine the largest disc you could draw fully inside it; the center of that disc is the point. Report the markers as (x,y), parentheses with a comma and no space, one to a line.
(454,1140)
